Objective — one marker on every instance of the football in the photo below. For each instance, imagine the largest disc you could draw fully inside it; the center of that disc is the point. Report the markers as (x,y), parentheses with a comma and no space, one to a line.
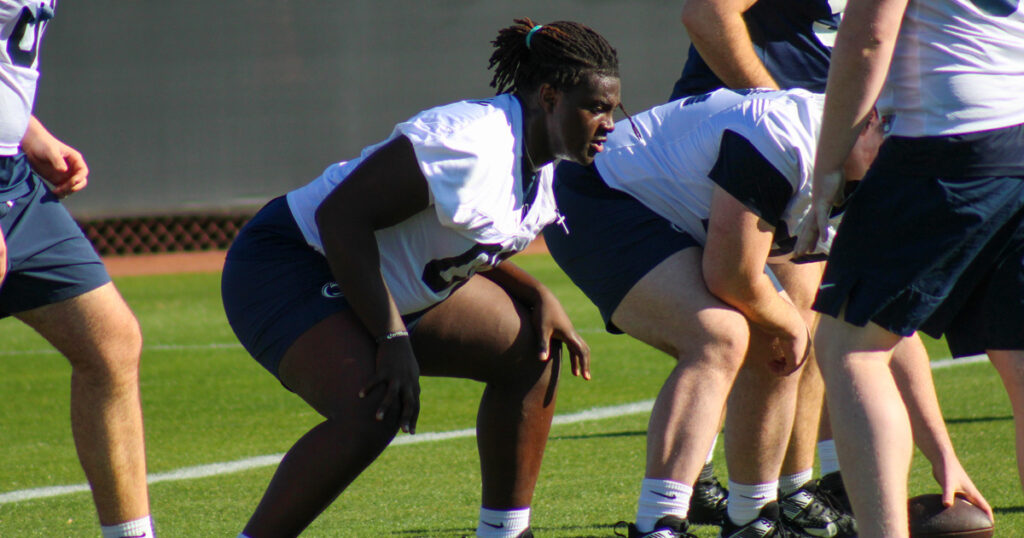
(929,519)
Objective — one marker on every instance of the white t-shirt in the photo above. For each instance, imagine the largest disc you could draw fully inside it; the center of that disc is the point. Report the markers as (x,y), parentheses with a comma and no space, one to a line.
(22,23)
(956,69)
(471,154)
(669,170)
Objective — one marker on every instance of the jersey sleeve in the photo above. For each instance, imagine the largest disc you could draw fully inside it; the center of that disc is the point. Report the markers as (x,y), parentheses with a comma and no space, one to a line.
(748,175)
(467,168)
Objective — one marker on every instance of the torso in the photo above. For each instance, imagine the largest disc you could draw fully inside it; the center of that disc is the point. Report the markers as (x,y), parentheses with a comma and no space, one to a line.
(482,208)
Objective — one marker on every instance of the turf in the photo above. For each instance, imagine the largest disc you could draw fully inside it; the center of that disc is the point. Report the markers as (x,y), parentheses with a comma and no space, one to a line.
(206,402)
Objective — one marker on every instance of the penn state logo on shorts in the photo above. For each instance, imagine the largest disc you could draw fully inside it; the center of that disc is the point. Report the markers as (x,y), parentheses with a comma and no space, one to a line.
(331,290)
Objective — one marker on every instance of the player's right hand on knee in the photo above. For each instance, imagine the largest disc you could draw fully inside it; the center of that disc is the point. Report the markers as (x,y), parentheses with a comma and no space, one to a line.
(399,373)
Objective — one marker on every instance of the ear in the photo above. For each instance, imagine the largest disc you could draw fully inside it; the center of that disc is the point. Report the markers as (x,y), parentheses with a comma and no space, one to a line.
(548,96)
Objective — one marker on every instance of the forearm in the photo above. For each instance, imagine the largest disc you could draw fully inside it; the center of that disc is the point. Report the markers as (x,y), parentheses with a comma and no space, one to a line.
(719,33)
(354,259)
(35,134)
(757,299)
(518,283)
(912,373)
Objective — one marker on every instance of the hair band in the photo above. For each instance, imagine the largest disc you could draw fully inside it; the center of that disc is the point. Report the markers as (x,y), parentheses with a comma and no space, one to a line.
(532,31)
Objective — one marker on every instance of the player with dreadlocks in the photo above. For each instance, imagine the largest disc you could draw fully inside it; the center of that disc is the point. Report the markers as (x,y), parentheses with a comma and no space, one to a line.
(351,287)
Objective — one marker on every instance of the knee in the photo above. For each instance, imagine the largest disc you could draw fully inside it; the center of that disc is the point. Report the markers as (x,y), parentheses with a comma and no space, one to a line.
(721,347)
(115,356)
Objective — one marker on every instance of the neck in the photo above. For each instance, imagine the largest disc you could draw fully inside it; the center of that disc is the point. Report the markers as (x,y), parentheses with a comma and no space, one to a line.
(535,136)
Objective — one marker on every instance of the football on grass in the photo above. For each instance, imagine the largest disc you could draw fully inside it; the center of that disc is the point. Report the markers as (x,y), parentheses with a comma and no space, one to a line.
(929,519)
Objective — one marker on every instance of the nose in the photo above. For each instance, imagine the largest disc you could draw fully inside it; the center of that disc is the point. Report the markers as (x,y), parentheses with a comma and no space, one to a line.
(608,122)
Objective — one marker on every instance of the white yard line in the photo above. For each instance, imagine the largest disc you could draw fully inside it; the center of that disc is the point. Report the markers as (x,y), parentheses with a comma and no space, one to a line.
(216,469)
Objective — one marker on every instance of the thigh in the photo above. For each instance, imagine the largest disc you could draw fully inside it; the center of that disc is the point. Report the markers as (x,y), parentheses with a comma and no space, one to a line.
(90,326)
(330,363)
(609,240)
(479,332)
(672,310)
(50,260)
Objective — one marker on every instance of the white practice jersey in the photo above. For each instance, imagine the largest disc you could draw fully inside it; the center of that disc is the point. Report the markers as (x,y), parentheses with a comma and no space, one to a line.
(958,67)
(471,154)
(670,169)
(22,23)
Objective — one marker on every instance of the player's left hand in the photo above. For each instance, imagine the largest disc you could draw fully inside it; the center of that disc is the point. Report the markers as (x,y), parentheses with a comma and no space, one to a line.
(826,191)
(955,481)
(554,328)
(60,164)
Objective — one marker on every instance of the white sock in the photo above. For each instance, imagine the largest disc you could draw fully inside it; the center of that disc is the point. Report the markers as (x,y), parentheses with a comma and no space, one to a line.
(711,453)
(747,500)
(141,528)
(827,457)
(660,498)
(792,482)
(502,523)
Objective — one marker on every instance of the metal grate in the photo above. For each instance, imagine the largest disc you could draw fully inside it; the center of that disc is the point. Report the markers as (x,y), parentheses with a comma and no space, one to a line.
(149,235)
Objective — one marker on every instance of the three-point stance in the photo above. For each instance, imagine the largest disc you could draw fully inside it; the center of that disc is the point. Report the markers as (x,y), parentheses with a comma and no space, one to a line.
(350,288)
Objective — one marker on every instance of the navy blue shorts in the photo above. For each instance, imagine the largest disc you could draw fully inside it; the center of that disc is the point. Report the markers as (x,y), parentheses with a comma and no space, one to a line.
(49,258)
(613,241)
(933,240)
(275,287)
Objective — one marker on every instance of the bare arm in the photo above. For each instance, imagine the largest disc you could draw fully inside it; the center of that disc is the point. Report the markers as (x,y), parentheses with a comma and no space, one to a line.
(860,63)
(912,372)
(62,165)
(733,264)
(550,319)
(718,32)
(387,188)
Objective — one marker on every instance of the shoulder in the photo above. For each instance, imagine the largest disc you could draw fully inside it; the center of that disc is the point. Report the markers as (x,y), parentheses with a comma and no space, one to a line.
(495,115)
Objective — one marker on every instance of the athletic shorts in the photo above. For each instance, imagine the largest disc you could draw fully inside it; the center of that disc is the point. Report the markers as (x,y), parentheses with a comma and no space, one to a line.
(275,287)
(49,258)
(613,240)
(933,240)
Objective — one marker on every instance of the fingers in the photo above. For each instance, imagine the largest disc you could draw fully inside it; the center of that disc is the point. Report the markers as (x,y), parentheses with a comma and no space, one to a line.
(580,358)
(974,497)
(405,395)
(808,236)
(579,354)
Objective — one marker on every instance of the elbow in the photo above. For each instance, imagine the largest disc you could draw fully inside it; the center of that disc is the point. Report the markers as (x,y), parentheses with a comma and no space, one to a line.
(700,16)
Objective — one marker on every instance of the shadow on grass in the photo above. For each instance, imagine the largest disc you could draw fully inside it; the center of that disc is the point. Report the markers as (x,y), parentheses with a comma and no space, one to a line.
(639,433)
(1008,509)
(589,531)
(973,420)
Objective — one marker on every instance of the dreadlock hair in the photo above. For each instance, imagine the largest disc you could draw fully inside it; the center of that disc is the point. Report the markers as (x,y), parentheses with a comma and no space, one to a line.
(561,53)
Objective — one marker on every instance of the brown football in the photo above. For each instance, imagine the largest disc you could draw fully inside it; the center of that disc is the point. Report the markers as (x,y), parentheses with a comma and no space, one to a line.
(929,519)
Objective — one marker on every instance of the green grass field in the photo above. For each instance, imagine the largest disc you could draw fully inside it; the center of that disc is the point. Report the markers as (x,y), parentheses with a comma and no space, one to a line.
(207,402)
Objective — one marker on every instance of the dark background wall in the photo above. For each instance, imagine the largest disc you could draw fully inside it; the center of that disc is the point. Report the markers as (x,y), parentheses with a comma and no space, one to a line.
(190,106)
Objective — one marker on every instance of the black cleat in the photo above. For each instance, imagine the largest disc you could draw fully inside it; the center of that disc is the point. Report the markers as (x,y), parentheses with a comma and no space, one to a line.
(666,527)
(806,510)
(768,524)
(709,501)
(831,488)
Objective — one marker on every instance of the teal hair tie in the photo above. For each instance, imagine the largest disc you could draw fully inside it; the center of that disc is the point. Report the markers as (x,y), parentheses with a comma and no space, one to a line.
(532,31)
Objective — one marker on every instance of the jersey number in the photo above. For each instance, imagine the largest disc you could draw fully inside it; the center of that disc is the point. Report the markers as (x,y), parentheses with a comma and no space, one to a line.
(997,8)
(442,274)
(27,23)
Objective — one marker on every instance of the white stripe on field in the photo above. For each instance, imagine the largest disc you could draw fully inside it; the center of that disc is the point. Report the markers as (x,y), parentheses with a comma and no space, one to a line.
(215,469)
